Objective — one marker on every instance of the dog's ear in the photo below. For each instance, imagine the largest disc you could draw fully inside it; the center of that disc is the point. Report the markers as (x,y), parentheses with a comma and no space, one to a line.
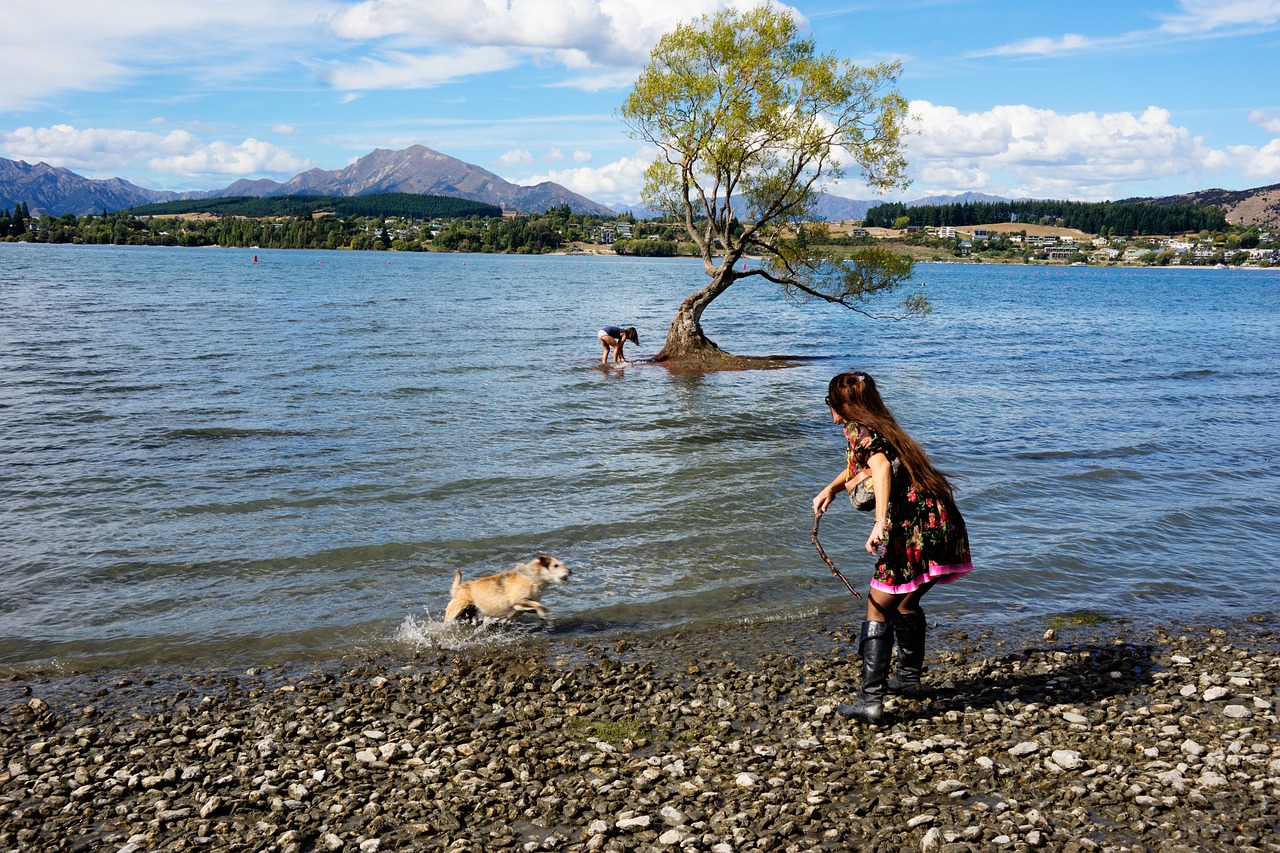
(545,561)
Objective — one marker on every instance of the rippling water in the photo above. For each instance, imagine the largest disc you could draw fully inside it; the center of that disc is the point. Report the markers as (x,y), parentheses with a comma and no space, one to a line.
(203,456)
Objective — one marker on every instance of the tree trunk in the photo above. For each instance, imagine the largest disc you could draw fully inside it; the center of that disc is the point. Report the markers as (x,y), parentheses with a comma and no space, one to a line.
(686,342)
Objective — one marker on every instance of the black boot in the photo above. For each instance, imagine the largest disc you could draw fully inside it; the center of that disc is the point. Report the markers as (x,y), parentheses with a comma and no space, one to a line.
(875,645)
(909,630)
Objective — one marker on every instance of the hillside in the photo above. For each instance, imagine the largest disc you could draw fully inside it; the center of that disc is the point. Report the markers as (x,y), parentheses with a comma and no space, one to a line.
(1260,206)
(416,170)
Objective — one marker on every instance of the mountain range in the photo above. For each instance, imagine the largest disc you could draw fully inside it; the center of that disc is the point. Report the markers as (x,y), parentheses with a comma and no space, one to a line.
(50,190)
(417,169)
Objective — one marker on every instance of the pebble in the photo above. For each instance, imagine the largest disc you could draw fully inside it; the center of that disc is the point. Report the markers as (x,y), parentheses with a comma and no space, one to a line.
(1123,738)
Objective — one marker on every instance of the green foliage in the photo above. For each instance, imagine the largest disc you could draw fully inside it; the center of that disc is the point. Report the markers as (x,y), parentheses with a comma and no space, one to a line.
(519,234)
(745,111)
(860,275)
(1125,219)
(404,205)
(615,732)
(651,248)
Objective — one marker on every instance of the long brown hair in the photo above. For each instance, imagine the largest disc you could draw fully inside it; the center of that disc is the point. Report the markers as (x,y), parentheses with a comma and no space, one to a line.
(854,396)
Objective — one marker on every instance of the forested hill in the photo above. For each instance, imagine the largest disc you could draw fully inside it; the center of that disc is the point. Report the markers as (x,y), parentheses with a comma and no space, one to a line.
(1089,217)
(409,205)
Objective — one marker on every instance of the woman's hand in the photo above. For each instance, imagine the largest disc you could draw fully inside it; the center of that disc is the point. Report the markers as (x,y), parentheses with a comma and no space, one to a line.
(821,501)
(876,540)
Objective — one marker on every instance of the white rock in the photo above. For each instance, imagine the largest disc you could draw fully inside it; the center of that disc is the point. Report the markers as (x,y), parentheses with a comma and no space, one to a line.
(1077,719)
(932,840)
(673,816)
(1215,693)
(1209,779)
(1238,712)
(1188,690)
(637,822)
(1192,748)
(919,820)
(1025,748)
(671,837)
(746,780)
(1067,759)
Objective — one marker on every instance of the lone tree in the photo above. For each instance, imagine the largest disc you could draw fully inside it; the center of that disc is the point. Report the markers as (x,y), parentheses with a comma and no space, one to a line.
(751,123)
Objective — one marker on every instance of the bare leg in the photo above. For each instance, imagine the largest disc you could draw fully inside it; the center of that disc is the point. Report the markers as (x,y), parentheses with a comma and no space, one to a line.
(604,342)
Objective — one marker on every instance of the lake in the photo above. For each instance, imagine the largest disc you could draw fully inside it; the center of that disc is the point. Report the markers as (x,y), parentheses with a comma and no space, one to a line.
(214,454)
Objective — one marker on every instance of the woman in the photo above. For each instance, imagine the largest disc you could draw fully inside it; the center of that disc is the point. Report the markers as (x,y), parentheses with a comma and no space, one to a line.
(919,537)
(613,337)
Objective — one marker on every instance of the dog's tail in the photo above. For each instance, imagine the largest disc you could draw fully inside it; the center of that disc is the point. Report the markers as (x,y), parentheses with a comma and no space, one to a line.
(457,582)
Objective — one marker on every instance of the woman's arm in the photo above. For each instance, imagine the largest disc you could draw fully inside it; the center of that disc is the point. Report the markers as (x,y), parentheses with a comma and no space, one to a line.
(823,499)
(881,483)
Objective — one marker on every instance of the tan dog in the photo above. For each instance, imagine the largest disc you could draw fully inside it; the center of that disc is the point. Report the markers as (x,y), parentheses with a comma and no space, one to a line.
(502,596)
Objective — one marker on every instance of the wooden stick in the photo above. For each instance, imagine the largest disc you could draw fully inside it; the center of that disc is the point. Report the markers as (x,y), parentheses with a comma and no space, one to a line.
(817,516)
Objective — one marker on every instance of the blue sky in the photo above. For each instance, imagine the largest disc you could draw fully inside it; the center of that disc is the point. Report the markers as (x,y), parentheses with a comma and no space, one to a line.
(1086,101)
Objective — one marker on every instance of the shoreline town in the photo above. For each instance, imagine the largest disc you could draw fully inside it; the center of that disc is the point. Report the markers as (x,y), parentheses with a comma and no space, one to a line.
(1046,735)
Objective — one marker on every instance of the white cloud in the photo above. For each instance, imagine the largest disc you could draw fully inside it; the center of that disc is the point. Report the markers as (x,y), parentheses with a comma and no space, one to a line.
(401,70)
(1024,151)
(582,156)
(515,157)
(579,35)
(619,182)
(93,148)
(250,157)
(1197,19)
(553,155)
(1270,122)
(86,45)
(1040,46)
(106,151)
(1259,164)
(284,129)
(1209,17)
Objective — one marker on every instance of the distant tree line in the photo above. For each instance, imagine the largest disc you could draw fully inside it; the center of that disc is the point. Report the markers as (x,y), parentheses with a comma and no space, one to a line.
(654,248)
(1105,218)
(13,223)
(405,205)
(529,234)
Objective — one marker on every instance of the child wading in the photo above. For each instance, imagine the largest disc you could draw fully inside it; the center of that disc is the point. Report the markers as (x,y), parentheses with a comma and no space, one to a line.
(612,338)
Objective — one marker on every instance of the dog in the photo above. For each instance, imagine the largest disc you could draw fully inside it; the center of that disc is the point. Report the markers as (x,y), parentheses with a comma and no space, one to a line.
(503,596)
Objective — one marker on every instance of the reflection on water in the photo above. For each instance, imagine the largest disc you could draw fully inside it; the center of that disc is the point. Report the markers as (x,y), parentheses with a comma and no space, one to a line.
(205,456)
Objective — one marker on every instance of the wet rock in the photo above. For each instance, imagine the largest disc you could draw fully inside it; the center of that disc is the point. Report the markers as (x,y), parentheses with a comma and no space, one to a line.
(1106,743)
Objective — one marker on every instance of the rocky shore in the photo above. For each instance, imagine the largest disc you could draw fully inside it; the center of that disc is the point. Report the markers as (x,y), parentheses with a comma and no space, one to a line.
(1062,736)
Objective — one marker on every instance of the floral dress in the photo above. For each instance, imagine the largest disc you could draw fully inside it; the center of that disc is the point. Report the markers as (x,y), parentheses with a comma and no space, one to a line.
(925,536)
